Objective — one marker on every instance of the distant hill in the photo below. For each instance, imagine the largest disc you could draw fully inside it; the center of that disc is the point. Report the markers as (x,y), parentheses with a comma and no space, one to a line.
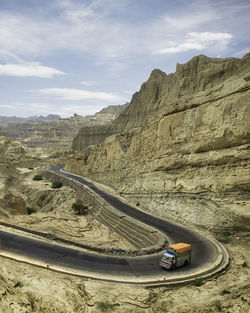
(53,131)
(35,119)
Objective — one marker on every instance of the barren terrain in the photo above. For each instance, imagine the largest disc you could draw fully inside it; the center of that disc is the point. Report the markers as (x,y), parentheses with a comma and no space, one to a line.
(180,150)
(24,288)
(51,209)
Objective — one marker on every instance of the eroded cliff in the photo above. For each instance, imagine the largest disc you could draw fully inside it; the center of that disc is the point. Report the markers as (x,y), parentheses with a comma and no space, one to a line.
(190,159)
(57,134)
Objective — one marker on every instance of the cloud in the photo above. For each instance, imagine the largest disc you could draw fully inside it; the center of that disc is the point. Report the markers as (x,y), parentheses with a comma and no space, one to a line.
(75,27)
(7,106)
(94,28)
(79,94)
(90,83)
(208,36)
(29,70)
(6,55)
(199,41)
(187,21)
(27,109)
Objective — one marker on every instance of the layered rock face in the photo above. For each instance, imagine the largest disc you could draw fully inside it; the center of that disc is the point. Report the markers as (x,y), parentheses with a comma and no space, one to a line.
(190,160)
(10,154)
(199,74)
(60,132)
(96,133)
(90,135)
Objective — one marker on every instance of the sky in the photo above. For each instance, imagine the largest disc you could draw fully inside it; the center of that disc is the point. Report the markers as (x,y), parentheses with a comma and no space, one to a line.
(79,56)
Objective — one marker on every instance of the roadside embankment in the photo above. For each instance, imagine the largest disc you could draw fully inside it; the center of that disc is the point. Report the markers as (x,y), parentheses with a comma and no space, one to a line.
(144,238)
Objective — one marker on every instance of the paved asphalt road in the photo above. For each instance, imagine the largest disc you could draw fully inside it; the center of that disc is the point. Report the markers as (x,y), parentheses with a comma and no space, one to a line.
(204,251)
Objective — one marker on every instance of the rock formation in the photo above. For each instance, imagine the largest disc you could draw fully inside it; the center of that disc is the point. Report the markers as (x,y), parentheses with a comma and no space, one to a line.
(95,134)
(90,135)
(113,109)
(181,147)
(10,153)
(52,132)
(4,120)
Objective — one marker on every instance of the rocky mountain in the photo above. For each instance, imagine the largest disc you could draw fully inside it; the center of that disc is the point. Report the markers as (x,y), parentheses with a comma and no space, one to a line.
(37,119)
(181,147)
(56,132)
(95,134)
(113,109)
(198,75)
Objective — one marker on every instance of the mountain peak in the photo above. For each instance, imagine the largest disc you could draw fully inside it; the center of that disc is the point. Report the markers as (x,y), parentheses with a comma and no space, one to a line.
(157,74)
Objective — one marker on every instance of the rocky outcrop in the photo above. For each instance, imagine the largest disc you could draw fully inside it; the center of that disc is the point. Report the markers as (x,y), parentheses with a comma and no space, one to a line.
(90,135)
(199,74)
(95,134)
(57,134)
(190,160)
(113,109)
(10,148)
(14,203)
(10,153)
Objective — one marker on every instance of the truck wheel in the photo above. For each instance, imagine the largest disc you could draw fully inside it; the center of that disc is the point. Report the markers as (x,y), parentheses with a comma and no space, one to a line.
(172,267)
(186,262)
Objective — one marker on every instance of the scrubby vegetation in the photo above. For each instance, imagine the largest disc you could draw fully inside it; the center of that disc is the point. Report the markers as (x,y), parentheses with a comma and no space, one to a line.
(80,208)
(13,212)
(224,238)
(56,184)
(106,306)
(18,284)
(31,210)
(198,282)
(38,177)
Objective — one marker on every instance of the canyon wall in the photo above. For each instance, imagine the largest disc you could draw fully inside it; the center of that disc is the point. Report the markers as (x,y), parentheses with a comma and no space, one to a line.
(90,135)
(59,133)
(181,147)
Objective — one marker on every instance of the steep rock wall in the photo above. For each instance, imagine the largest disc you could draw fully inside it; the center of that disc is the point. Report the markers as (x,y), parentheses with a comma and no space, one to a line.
(199,74)
(190,161)
(58,133)
(90,135)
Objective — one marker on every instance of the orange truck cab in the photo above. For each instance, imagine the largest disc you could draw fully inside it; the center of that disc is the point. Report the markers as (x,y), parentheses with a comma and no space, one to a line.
(176,255)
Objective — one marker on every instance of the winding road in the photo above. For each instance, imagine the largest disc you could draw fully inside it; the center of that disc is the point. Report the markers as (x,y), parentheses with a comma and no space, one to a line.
(208,257)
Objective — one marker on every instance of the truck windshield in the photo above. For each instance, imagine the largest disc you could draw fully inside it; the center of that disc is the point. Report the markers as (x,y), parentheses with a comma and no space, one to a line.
(167,259)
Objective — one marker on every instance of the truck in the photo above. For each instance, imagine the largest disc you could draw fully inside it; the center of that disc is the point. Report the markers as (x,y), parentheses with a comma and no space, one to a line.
(176,255)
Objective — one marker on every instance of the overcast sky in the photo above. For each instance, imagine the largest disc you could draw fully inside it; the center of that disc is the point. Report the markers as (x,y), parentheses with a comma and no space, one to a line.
(78,56)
